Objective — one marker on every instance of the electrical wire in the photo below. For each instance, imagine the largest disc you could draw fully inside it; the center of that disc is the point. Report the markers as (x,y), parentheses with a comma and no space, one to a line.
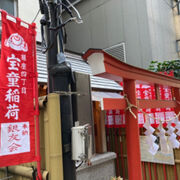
(36,16)
(60,25)
(177,3)
(79,19)
(59,22)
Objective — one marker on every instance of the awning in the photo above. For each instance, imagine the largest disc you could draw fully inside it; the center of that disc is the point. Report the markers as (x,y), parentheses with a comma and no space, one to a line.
(99,96)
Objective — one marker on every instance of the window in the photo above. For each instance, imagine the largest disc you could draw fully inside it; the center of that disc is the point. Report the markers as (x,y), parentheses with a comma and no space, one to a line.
(10,6)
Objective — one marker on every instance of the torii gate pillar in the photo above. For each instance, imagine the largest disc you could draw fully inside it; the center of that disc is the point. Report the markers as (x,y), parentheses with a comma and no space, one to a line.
(132,133)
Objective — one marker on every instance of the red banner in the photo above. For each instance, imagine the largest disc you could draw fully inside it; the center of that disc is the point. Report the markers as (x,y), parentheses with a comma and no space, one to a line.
(116,118)
(17,92)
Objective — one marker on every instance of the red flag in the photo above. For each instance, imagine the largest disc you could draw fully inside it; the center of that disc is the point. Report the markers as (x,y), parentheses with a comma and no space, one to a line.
(17,92)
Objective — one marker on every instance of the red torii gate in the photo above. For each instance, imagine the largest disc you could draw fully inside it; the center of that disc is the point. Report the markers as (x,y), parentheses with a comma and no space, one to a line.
(106,66)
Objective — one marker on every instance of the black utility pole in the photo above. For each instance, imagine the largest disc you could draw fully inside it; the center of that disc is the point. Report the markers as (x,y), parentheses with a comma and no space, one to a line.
(60,76)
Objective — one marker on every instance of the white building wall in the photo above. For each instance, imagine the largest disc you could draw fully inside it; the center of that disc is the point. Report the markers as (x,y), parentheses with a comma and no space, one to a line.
(146,27)
(27,10)
(162,30)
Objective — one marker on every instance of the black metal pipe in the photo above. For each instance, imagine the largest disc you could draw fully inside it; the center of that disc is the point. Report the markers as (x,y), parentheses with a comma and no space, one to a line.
(60,79)
(52,52)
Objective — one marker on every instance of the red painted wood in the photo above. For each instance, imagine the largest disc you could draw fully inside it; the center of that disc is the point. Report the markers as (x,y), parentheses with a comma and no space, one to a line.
(155,172)
(156,104)
(112,103)
(176,95)
(164,171)
(117,154)
(121,154)
(157,91)
(116,70)
(144,171)
(149,168)
(108,139)
(132,134)
(175,172)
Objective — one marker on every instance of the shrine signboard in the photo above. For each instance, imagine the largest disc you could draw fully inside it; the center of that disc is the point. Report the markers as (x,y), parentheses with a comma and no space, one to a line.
(159,157)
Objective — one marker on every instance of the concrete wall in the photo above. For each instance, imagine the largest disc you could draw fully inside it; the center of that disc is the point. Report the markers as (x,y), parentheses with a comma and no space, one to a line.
(162,30)
(177,23)
(102,168)
(146,27)
(27,10)
(109,22)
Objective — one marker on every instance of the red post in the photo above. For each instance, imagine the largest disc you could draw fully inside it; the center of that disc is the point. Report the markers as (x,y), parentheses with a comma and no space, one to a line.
(144,171)
(175,172)
(121,154)
(35,93)
(164,171)
(149,167)
(155,171)
(132,134)
(176,95)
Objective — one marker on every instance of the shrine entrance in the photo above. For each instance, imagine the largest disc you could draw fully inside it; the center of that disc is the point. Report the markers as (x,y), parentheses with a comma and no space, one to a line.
(144,123)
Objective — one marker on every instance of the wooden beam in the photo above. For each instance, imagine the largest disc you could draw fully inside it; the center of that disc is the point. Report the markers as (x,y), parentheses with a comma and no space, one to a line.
(111,68)
(157,92)
(112,103)
(144,104)
(116,72)
(99,127)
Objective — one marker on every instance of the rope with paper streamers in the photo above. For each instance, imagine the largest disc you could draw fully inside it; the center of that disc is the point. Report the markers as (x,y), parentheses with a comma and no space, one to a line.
(165,142)
(130,106)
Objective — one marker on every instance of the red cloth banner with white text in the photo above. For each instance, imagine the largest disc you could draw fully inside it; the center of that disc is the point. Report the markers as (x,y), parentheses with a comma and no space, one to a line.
(17,74)
(116,118)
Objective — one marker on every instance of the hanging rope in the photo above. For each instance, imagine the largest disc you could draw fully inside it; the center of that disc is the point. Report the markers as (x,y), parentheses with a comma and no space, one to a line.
(130,106)
(150,137)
